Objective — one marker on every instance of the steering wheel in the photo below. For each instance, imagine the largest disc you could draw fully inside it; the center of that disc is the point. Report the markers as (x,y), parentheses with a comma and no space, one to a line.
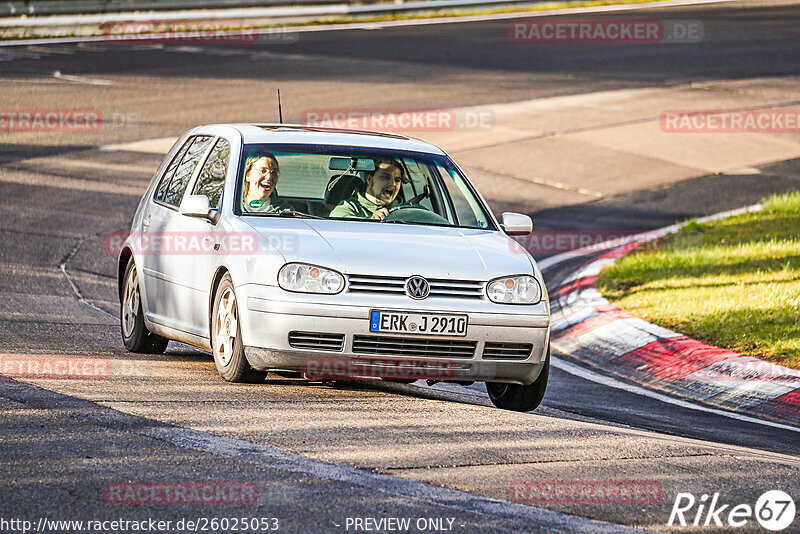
(414,213)
(414,202)
(406,206)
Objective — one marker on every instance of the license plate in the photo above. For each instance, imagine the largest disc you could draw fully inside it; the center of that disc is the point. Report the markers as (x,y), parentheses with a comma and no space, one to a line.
(430,324)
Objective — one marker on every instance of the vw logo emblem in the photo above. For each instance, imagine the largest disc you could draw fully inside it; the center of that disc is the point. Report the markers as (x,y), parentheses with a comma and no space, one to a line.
(417,288)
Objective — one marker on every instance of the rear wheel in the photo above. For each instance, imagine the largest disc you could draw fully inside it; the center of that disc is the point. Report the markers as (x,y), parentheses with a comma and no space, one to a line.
(226,337)
(517,397)
(135,335)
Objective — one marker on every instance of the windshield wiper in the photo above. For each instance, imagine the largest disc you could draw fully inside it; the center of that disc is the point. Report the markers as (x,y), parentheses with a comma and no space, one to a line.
(297,214)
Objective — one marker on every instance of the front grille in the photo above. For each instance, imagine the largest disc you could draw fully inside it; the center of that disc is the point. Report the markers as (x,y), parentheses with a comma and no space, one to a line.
(506,351)
(463,289)
(316,341)
(406,346)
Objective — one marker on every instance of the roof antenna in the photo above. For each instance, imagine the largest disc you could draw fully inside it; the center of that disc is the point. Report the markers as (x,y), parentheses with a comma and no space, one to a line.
(280,112)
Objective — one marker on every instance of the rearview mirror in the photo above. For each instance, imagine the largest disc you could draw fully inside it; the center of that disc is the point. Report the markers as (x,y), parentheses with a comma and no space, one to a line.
(516,224)
(198,206)
(352,164)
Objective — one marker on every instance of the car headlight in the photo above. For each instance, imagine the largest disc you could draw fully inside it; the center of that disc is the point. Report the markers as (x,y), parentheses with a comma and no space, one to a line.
(303,278)
(523,289)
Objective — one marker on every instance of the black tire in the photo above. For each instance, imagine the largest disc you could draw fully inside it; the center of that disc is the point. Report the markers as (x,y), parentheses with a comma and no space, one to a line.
(226,337)
(517,397)
(135,335)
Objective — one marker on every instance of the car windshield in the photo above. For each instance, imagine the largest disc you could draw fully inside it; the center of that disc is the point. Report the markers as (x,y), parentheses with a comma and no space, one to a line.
(353,183)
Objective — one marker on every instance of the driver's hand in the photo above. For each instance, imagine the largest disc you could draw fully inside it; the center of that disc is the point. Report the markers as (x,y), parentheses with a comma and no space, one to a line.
(380,214)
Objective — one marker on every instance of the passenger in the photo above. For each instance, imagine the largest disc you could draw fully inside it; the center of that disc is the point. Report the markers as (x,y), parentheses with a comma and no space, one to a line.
(383,186)
(260,179)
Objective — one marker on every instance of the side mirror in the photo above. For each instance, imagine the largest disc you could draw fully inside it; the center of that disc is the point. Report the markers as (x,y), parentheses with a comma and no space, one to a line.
(200,207)
(516,224)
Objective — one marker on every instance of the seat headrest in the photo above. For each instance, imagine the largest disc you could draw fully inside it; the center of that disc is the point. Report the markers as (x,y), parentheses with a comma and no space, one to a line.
(340,187)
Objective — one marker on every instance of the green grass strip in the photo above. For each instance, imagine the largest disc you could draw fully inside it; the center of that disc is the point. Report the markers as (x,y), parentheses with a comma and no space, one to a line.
(734,283)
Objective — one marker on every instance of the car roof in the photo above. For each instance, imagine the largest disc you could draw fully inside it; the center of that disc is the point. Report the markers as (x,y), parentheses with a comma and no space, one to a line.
(314,135)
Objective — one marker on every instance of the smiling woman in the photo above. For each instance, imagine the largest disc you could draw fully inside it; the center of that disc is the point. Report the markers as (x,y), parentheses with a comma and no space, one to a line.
(261,172)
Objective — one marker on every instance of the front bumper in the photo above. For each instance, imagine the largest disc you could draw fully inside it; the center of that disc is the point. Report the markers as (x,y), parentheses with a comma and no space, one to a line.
(268,314)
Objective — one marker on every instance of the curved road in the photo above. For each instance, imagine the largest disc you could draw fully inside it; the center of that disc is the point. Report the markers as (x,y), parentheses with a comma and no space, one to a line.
(170,418)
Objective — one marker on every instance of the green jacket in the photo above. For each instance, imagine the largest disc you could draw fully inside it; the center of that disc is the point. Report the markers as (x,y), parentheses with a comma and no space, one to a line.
(357,207)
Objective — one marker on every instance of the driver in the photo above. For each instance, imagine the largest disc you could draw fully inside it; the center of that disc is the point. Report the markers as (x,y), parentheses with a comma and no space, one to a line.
(383,186)
(260,179)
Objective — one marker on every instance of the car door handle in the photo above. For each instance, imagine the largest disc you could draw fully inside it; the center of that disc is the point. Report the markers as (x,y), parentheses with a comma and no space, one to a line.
(146,221)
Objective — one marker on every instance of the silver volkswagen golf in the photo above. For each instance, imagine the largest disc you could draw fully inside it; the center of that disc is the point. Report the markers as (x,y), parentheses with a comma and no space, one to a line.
(333,254)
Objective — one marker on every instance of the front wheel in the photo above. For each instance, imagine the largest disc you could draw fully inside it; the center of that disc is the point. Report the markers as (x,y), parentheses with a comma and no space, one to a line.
(517,397)
(135,335)
(226,337)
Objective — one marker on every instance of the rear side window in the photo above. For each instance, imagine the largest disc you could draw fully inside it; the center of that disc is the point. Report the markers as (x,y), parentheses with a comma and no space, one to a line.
(173,193)
(212,175)
(161,190)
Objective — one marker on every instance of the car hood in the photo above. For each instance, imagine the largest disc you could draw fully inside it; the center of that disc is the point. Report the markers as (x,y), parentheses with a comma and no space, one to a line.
(369,248)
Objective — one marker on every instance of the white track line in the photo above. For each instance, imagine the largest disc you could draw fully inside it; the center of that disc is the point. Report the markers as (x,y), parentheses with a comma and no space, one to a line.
(586,374)
(428,493)
(79,79)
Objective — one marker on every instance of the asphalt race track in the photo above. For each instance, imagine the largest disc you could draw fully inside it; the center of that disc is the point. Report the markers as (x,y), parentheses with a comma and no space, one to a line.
(321,455)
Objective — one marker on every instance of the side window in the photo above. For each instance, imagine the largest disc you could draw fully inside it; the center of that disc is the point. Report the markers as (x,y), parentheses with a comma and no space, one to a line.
(183,172)
(161,190)
(468,210)
(419,179)
(212,175)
